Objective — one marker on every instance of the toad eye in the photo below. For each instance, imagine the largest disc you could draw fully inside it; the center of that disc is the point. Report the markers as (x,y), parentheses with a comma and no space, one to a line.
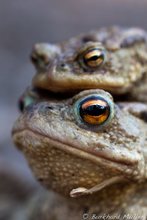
(93,57)
(94,110)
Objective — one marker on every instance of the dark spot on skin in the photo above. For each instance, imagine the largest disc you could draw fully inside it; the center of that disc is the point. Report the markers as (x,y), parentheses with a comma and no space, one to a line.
(88,38)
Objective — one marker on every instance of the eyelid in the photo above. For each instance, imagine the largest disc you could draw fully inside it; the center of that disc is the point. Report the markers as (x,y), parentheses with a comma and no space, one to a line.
(89,46)
(92,51)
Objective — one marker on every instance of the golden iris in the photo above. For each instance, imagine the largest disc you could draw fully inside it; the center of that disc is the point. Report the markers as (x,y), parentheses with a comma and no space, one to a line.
(94,57)
(94,110)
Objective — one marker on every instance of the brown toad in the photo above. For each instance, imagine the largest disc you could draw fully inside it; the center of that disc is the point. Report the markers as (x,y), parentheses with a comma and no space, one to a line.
(89,148)
(113,59)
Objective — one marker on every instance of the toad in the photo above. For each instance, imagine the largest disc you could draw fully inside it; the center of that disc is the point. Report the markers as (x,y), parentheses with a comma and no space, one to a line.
(89,150)
(113,59)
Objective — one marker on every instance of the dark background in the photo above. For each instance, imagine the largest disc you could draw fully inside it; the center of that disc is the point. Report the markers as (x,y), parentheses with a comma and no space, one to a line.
(23,23)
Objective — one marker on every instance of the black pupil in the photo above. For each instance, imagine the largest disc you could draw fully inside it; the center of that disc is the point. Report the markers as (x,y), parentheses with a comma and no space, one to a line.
(93,110)
(94,58)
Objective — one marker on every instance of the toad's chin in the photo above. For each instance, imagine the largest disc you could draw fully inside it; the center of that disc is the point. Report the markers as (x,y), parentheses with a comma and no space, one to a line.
(47,155)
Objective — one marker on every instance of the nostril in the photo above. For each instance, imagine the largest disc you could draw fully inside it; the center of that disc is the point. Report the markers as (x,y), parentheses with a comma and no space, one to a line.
(62,65)
(49,107)
(45,108)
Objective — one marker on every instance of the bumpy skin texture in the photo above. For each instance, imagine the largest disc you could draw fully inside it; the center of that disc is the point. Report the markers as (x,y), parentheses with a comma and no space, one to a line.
(73,158)
(62,67)
(139,91)
(33,95)
(65,154)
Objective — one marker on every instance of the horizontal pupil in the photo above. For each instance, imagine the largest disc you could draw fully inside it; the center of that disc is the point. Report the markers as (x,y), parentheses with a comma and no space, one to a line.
(94,58)
(93,110)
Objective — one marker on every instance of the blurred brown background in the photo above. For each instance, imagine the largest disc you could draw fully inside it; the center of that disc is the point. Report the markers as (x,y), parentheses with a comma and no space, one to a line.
(22,23)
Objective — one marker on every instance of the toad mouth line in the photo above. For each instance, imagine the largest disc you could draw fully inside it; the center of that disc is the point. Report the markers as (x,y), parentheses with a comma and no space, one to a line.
(119,165)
